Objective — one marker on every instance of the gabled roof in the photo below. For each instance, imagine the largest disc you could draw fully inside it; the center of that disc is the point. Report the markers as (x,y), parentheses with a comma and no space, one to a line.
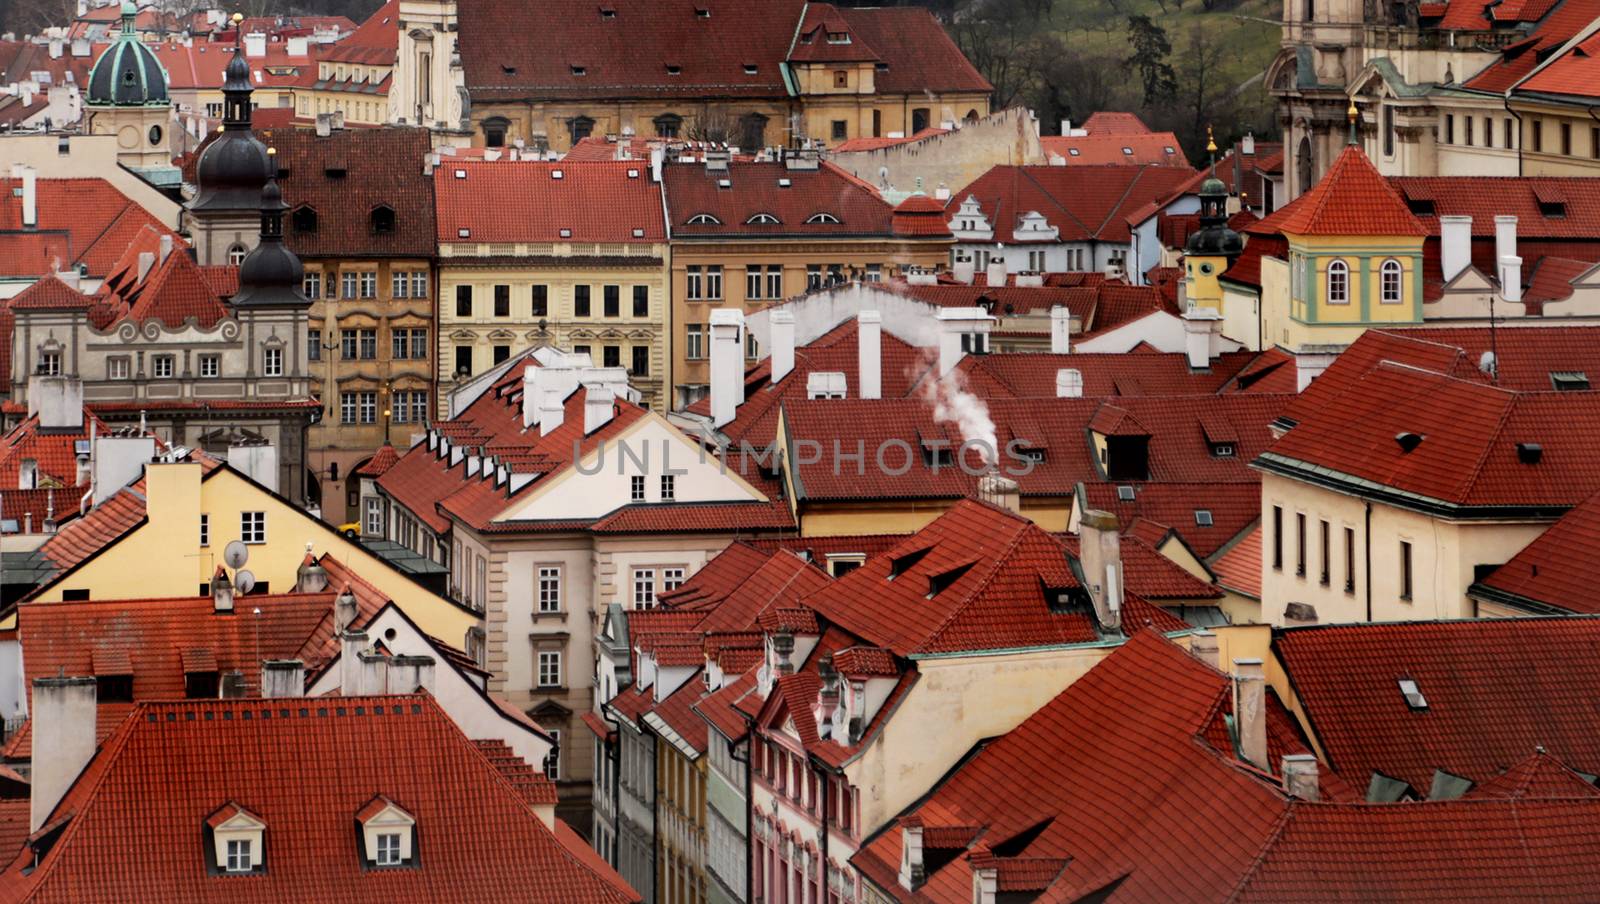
(1496,690)
(756,190)
(172,292)
(611,202)
(373,43)
(54,453)
(1083,202)
(1554,570)
(976,578)
(80,221)
(346,175)
(1116,149)
(1350,199)
(170,765)
(732,596)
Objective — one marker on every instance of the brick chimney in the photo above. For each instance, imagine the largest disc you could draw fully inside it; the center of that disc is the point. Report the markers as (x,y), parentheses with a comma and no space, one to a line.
(1250,710)
(63,741)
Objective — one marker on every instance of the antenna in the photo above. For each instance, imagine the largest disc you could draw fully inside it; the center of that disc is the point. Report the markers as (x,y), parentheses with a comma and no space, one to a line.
(244,582)
(235,554)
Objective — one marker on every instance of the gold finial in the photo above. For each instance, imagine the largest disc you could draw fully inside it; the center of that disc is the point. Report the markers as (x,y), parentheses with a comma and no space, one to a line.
(272,152)
(1351,111)
(237,18)
(1211,141)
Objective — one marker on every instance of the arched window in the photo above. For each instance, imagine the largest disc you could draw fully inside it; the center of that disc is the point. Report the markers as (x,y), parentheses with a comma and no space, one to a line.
(822,218)
(762,219)
(1389,291)
(236,255)
(704,219)
(1338,282)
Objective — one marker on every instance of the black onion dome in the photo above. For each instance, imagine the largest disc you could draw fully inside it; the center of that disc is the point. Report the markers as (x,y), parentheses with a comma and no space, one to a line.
(233,168)
(1214,238)
(271,275)
(128,74)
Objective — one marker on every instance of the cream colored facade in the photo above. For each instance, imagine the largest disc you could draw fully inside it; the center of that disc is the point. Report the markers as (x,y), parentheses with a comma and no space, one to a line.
(355,91)
(490,308)
(1364,577)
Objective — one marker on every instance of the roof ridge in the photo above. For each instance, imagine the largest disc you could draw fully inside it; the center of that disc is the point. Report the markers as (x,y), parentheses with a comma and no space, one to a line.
(1279,825)
(1126,191)
(1049,196)
(1494,441)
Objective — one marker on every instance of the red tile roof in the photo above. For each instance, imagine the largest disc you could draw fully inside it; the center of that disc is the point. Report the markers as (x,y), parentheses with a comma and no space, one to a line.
(343,177)
(995,573)
(1033,375)
(1555,28)
(1486,709)
(1083,203)
(756,189)
(53,452)
(1468,455)
(720,709)
(1350,199)
(1149,574)
(1540,775)
(80,221)
(1233,503)
(733,595)
(380,462)
(596,202)
(172,764)
(1239,568)
(1114,122)
(1116,149)
(1553,571)
(372,44)
(172,292)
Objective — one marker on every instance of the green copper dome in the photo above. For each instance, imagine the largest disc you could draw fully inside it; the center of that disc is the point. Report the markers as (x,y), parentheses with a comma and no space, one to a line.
(128,73)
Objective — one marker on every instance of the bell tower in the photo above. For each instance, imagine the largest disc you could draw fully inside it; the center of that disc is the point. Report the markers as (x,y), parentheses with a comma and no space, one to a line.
(127,97)
(224,217)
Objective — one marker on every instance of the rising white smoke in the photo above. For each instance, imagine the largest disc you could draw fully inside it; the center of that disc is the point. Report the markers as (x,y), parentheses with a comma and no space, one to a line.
(953,403)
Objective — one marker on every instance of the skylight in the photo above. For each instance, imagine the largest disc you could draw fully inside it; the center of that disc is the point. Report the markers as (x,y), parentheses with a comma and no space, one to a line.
(750,69)
(1569,381)
(1202,517)
(579,70)
(1413,694)
(1072,151)
(1125,493)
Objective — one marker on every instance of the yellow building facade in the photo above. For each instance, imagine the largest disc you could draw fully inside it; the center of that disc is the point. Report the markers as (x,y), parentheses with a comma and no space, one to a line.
(1338,286)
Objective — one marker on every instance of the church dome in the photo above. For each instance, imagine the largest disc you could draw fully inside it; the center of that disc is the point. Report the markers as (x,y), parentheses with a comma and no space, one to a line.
(127,73)
(235,166)
(271,274)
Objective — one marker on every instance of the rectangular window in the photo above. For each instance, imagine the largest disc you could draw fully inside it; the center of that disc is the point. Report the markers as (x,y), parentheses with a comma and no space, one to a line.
(1449,129)
(549,668)
(714,281)
(481,566)
(399,344)
(160,366)
(1277,537)
(347,407)
(641,301)
(272,362)
(1537,126)
(580,301)
(1300,544)
(752,281)
(644,588)
(550,588)
(1594,142)
(813,277)
(502,301)
(463,301)
(419,343)
(552,760)
(668,487)
(205,529)
(419,284)
(399,284)
(348,284)
(1327,555)
(694,347)
(541,300)
(238,855)
(1405,570)
(841,128)
(641,361)
(369,345)
(693,284)
(1349,560)
(636,488)
(253,527)
(463,359)
(501,352)
(1510,134)
(210,365)
(117,368)
(369,407)
(1466,131)
(611,356)
(388,849)
(374,519)
(369,284)
(348,344)
(1566,139)
(774,281)
(671,579)
(312,285)
(611,300)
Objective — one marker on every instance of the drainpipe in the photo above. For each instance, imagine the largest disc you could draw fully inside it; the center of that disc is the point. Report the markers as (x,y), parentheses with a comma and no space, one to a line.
(614,754)
(1516,116)
(1367,542)
(749,820)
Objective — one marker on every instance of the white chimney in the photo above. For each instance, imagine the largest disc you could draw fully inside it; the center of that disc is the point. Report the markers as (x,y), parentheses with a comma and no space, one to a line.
(30,198)
(1505,236)
(958,326)
(1060,330)
(1511,278)
(912,869)
(727,365)
(283,678)
(373,669)
(408,674)
(345,611)
(999,490)
(63,741)
(996,273)
(1300,776)
(1100,555)
(869,354)
(297,46)
(147,259)
(57,400)
(1203,645)
(1201,328)
(1069,383)
(964,270)
(1455,245)
(782,344)
(1247,145)
(221,591)
(1250,710)
(552,414)
(255,44)
(351,645)
(57,48)
(598,405)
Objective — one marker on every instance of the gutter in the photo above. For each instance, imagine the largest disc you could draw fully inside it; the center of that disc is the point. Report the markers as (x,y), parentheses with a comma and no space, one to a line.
(749,818)
(1366,540)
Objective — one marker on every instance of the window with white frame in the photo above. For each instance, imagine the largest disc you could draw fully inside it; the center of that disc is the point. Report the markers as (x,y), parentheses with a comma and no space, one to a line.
(552,760)
(118,368)
(714,281)
(50,362)
(669,487)
(1389,289)
(671,578)
(549,668)
(774,280)
(312,285)
(347,284)
(644,588)
(752,281)
(272,361)
(694,345)
(694,284)
(238,855)
(369,284)
(482,598)
(1338,282)
(419,284)
(550,588)
(374,526)
(636,488)
(253,527)
(210,365)
(161,366)
(236,255)
(389,849)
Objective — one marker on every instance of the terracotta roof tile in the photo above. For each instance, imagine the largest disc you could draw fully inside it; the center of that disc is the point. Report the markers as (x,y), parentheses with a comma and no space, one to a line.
(1350,199)
(1552,570)
(1083,202)
(613,202)
(695,193)
(1152,148)
(1239,568)
(81,220)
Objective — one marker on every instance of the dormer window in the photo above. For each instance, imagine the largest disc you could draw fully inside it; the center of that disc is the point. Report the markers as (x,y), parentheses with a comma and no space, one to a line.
(751,69)
(388,834)
(701,12)
(383,219)
(704,219)
(762,219)
(901,564)
(579,70)
(818,218)
(941,582)
(304,219)
(238,841)
(838,37)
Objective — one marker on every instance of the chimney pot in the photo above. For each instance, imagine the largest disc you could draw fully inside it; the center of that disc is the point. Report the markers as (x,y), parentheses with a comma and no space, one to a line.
(351,645)
(996,272)
(913,870)
(63,738)
(1203,645)
(221,591)
(869,354)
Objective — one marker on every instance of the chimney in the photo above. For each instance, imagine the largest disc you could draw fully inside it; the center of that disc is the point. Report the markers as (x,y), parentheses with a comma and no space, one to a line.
(996,272)
(255,44)
(985,880)
(221,591)
(1100,557)
(1060,330)
(1455,245)
(351,645)
(409,674)
(1511,278)
(912,870)
(345,611)
(233,686)
(57,400)
(166,248)
(1201,329)
(1247,145)
(64,739)
(311,578)
(869,354)
(1505,236)
(782,344)
(1249,710)
(283,678)
(1000,490)
(372,675)
(963,271)
(1300,775)
(599,403)
(782,650)
(727,365)
(57,48)
(827,695)
(1069,383)
(960,328)
(1203,646)
(147,259)
(30,198)
(552,414)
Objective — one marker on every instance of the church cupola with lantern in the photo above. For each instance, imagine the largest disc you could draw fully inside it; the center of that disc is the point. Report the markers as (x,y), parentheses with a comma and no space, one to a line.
(232,171)
(126,96)
(1214,246)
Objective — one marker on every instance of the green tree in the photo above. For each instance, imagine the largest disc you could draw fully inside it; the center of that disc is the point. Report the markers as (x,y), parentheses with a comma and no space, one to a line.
(1151,48)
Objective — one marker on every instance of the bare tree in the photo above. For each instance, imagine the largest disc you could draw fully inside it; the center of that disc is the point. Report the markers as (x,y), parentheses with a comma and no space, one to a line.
(713,124)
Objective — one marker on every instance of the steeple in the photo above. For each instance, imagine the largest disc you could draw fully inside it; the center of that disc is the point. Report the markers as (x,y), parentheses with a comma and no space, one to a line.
(271,274)
(1352,114)
(233,167)
(236,86)
(1213,238)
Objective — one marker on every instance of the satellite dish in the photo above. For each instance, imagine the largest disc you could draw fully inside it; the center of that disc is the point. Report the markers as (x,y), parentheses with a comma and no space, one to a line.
(235,554)
(244,582)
